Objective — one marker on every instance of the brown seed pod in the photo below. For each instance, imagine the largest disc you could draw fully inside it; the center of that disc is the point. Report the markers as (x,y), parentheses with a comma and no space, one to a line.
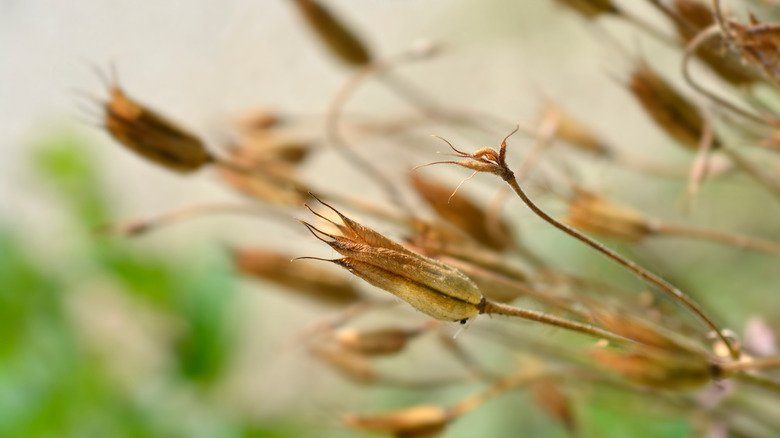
(759,45)
(574,131)
(657,368)
(414,422)
(151,135)
(351,365)
(270,181)
(308,280)
(693,17)
(343,43)
(677,116)
(591,8)
(375,342)
(461,212)
(430,286)
(594,214)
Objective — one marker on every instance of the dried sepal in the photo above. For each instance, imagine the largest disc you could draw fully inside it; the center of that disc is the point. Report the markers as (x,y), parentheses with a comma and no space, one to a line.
(674,113)
(430,286)
(152,135)
(460,211)
(414,422)
(337,37)
(308,280)
(486,160)
(592,213)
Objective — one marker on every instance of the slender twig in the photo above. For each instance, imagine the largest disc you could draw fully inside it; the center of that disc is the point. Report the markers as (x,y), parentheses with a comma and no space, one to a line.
(717,236)
(493,308)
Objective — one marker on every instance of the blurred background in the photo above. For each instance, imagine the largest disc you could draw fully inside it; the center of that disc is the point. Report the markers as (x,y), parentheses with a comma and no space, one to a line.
(156,336)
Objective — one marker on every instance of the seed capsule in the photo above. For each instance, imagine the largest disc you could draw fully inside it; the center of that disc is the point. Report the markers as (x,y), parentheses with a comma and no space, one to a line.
(153,136)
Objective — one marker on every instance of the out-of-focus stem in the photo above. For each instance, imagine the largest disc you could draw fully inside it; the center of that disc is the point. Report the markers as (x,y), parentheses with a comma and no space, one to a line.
(717,236)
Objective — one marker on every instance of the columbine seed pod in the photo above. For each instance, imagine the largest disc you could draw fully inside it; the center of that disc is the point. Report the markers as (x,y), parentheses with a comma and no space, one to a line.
(341,41)
(430,286)
(461,212)
(657,368)
(375,342)
(668,108)
(759,45)
(307,280)
(574,131)
(270,181)
(153,136)
(693,16)
(594,214)
(415,422)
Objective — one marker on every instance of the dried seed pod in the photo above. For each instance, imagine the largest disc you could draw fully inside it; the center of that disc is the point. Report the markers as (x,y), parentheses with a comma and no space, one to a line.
(668,108)
(342,42)
(415,422)
(693,17)
(305,279)
(657,368)
(153,136)
(375,342)
(351,365)
(591,8)
(759,45)
(574,131)
(269,181)
(594,214)
(430,286)
(461,212)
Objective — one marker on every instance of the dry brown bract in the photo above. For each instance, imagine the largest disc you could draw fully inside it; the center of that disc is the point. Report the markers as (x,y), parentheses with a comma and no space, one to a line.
(759,45)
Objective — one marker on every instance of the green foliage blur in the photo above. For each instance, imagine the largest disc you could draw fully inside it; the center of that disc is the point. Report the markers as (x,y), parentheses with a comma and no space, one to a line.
(52,384)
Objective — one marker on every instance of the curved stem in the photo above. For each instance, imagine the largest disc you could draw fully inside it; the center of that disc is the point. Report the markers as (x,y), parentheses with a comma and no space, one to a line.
(493,308)
(646,275)
(690,50)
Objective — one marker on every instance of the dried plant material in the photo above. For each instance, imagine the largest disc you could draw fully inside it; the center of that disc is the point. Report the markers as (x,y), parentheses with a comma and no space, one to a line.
(269,181)
(693,17)
(591,8)
(431,287)
(337,37)
(461,212)
(574,131)
(310,281)
(420,421)
(592,213)
(677,116)
(657,368)
(258,120)
(550,397)
(375,342)
(645,332)
(153,136)
(759,45)
(351,365)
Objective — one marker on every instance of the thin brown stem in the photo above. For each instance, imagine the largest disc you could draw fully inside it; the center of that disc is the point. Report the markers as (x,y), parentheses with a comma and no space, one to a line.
(493,308)
(646,275)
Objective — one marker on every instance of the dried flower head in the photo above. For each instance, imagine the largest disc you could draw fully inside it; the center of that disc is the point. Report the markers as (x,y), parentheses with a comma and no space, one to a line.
(415,422)
(759,45)
(594,214)
(693,17)
(430,286)
(677,116)
(461,212)
(308,280)
(153,136)
(338,38)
